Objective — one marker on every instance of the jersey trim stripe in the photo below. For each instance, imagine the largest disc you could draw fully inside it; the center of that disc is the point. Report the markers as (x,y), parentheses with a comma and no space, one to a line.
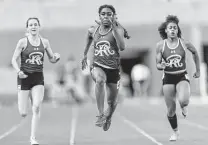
(105,66)
(175,72)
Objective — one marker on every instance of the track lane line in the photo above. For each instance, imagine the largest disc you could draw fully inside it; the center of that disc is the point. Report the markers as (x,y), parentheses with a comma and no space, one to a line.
(193,124)
(13,129)
(138,129)
(75,112)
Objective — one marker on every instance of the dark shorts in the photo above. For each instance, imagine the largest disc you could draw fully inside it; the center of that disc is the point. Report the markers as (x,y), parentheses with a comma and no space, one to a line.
(175,78)
(32,80)
(112,75)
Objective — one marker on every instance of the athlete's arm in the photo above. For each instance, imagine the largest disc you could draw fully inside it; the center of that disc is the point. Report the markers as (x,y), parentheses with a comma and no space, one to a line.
(89,40)
(53,57)
(19,47)
(119,36)
(159,64)
(194,52)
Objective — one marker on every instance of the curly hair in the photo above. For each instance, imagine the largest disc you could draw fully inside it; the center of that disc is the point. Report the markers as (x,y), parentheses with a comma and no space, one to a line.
(163,26)
(126,35)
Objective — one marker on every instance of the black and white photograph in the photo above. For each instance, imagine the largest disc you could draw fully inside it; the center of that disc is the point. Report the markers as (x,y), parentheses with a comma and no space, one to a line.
(103,72)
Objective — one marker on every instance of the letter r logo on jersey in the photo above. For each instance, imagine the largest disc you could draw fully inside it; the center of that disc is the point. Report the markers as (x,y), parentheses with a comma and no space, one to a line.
(174,61)
(103,48)
(35,58)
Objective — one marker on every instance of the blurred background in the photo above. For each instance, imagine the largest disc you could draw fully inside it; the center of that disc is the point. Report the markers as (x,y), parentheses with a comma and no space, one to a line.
(65,23)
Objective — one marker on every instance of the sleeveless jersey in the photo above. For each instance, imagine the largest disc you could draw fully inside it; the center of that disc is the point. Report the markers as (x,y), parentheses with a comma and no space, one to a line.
(32,58)
(106,51)
(174,57)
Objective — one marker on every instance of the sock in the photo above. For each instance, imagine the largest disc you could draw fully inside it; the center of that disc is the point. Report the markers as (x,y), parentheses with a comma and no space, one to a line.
(173,122)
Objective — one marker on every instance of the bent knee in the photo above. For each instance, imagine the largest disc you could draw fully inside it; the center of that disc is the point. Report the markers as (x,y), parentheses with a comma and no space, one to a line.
(36,109)
(23,112)
(171,112)
(100,80)
(112,103)
(184,103)
(184,100)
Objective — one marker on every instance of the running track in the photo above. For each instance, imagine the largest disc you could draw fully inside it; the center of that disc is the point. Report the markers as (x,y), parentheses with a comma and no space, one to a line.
(136,122)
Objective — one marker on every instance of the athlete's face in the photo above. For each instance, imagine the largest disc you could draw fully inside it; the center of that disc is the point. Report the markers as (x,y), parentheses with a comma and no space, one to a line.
(172,30)
(105,15)
(33,27)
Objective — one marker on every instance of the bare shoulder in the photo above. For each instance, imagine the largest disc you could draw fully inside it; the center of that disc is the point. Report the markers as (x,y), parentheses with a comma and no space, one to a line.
(120,30)
(45,42)
(22,43)
(185,43)
(159,45)
(92,29)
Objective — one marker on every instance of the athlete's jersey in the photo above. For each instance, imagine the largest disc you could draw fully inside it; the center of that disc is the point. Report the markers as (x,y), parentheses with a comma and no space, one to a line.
(174,57)
(106,51)
(32,58)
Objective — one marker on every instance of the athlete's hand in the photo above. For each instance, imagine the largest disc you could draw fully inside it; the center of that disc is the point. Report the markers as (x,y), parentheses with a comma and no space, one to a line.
(197,74)
(98,22)
(84,62)
(22,75)
(57,56)
(161,66)
(113,21)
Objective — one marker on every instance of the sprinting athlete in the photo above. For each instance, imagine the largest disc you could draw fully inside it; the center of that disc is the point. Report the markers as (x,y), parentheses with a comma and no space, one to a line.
(30,50)
(170,58)
(107,38)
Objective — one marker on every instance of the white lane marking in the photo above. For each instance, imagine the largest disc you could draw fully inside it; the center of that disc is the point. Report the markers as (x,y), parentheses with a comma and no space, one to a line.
(73,124)
(11,130)
(139,130)
(193,124)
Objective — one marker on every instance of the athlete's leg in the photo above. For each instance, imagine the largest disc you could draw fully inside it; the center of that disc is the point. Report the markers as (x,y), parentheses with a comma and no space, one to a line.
(112,98)
(183,92)
(112,103)
(23,98)
(37,97)
(100,79)
(169,91)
